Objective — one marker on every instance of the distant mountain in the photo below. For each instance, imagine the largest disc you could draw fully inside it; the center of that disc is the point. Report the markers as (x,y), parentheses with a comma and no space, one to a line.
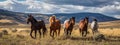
(14,16)
(80,16)
(18,17)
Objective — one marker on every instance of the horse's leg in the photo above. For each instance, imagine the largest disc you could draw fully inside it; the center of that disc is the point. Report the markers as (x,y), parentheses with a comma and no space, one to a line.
(71,31)
(64,31)
(59,32)
(35,33)
(80,31)
(50,31)
(55,32)
(31,33)
(85,33)
(40,33)
(67,32)
(43,32)
(93,31)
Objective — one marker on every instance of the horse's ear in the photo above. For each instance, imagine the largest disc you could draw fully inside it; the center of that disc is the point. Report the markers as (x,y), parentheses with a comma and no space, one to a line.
(87,17)
(95,19)
(73,17)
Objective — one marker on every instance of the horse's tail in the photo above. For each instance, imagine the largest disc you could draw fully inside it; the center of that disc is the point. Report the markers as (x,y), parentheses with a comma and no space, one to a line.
(44,27)
(43,23)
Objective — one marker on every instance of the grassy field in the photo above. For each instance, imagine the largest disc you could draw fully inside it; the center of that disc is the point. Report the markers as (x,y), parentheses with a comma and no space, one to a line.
(21,36)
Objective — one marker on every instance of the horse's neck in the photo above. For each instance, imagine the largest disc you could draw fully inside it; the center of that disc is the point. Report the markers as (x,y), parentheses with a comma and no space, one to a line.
(51,20)
(70,23)
(86,20)
(34,21)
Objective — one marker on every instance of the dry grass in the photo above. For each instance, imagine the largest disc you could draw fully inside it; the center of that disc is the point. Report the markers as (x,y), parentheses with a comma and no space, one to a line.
(5,20)
(21,37)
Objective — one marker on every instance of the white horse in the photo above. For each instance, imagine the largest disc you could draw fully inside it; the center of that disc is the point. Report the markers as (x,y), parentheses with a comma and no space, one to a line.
(96,34)
(94,26)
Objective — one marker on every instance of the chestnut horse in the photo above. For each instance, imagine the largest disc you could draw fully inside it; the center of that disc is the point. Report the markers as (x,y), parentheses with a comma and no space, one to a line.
(83,26)
(68,26)
(54,26)
(36,26)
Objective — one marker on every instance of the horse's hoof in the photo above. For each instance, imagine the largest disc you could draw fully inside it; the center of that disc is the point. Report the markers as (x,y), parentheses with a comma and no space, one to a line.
(53,38)
(34,38)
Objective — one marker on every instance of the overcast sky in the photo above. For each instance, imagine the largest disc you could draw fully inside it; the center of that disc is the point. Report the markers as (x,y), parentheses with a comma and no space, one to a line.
(107,7)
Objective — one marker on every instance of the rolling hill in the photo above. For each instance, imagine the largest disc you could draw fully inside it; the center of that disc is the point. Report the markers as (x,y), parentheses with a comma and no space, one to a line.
(17,17)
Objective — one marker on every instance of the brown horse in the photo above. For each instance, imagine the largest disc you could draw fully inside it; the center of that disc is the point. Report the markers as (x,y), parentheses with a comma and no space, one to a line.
(83,26)
(54,26)
(68,26)
(36,26)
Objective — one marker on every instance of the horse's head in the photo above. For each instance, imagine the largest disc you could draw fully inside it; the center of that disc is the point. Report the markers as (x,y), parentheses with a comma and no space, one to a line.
(29,18)
(95,20)
(72,20)
(86,19)
(53,18)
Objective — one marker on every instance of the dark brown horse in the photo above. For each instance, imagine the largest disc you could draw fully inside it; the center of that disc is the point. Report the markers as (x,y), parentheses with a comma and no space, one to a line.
(68,26)
(83,26)
(36,26)
(54,26)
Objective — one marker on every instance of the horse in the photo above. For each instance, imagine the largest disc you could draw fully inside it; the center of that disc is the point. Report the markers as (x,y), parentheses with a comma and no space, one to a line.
(83,26)
(68,26)
(97,36)
(94,26)
(54,26)
(36,26)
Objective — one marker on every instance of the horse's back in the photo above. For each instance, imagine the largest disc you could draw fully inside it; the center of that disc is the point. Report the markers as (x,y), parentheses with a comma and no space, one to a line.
(58,21)
(41,23)
(66,23)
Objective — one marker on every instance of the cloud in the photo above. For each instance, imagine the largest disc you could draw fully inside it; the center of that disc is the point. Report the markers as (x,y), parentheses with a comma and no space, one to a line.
(110,8)
(91,3)
(117,16)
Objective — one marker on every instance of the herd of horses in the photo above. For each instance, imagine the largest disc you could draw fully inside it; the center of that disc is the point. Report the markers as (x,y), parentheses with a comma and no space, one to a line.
(55,26)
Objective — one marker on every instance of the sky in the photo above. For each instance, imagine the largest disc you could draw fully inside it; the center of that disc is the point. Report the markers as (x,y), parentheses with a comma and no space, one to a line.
(107,7)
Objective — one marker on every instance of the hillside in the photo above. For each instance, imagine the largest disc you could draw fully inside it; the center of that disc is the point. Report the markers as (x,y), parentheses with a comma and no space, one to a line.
(80,16)
(17,17)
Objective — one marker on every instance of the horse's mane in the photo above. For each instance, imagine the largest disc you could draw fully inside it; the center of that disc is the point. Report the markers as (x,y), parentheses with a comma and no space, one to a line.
(34,19)
(82,20)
